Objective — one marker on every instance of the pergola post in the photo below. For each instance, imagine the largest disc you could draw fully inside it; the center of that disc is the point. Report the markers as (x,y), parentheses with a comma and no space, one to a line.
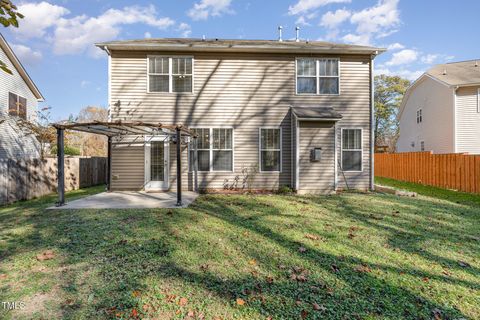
(61,167)
(179,166)
(109,164)
(195,164)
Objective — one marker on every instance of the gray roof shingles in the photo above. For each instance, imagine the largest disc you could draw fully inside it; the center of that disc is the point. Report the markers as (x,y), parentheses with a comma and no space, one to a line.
(457,73)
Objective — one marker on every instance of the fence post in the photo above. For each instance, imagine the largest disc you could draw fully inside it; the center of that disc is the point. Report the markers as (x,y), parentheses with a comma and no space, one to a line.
(60,168)
(109,164)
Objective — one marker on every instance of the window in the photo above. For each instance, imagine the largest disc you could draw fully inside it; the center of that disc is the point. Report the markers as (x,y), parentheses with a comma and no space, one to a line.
(352,152)
(478,100)
(222,150)
(419,116)
(203,150)
(17,106)
(170,74)
(318,76)
(270,149)
(422,145)
(215,149)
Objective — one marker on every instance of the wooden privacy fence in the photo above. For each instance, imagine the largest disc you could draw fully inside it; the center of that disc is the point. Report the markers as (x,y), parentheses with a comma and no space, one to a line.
(450,171)
(28,179)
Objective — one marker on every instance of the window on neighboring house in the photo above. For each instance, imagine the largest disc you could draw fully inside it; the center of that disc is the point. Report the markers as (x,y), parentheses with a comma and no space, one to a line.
(422,145)
(270,149)
(318,76)
(419,116)
(478,100)
(17,106)
(352,152)
(170,74)
(215,149)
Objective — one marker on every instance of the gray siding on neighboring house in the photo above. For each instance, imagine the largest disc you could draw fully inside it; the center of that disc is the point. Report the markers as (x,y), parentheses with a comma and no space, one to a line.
(13,142)
(317,177)
(467,120)
(242,91)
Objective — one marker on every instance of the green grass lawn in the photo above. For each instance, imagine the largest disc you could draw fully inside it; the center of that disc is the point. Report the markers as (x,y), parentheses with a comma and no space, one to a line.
(350,256)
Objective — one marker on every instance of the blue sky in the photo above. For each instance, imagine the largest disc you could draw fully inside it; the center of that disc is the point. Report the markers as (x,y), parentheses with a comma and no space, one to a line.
(55,40)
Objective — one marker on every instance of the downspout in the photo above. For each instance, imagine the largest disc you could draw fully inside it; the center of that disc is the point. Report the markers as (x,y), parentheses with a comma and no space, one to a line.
(372,124)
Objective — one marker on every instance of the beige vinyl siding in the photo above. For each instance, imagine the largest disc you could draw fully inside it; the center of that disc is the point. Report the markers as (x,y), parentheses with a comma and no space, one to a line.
(468,120)
(437,128)
(128,169)
(243,91)
(317,177)
(13,142)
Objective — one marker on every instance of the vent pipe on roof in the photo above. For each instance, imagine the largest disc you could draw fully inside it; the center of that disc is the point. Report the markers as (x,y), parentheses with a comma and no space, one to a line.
(203,38)
(444,72)
(297,30)
(476,64)
(280,33)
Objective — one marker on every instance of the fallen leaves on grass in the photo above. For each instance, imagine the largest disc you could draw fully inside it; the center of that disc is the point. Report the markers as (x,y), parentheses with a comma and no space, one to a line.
(134,313)
(298,274)
(335,268)
(312,236)
(136,293)
(302,249)
(240,302)
(363,268)
(182,302)
(318,307)
(252,262)
(464,264)
(47,255)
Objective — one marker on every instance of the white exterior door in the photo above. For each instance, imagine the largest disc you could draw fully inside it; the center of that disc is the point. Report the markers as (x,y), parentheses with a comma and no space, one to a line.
(156,163)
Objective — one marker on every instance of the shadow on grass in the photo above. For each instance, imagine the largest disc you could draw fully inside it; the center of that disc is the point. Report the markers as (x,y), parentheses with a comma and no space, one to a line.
(108,255)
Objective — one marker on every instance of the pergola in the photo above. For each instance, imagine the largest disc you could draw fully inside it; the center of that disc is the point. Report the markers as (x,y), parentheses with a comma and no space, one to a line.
(117,129)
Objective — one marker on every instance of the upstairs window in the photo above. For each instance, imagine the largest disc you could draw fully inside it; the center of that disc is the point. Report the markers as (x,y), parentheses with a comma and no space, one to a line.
(419,116)
(170,74)
(17,106)
(270,149)
(352,152)
(318,76)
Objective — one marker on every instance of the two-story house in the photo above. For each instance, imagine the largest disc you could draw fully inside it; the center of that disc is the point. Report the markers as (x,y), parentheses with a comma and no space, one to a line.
(290,113)
(440,112)
(19,97)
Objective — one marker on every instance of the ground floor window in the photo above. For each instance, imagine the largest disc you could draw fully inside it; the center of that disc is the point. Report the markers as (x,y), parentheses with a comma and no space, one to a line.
(214,149)
(270,149)
(352,152)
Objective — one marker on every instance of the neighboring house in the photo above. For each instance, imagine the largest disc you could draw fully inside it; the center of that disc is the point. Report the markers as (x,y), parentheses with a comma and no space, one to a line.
(296,112)
(19,97)
(441,110)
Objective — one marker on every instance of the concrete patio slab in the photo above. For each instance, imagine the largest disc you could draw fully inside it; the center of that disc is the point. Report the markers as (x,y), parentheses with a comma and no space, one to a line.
(130,200)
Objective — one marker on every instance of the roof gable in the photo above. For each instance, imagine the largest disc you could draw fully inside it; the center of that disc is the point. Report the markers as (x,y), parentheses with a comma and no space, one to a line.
(20,69)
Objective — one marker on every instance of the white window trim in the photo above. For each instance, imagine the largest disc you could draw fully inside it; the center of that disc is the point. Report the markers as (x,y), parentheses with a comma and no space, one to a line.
(478,100)
(210,132)
(260,150)
(361,149)
(317,76)
(170,74)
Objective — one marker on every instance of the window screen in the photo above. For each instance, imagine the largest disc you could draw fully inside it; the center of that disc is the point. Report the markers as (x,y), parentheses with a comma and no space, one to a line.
(170,74)
(270,149)
(324,72)
(352,150)
(222,150)
(203,150)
